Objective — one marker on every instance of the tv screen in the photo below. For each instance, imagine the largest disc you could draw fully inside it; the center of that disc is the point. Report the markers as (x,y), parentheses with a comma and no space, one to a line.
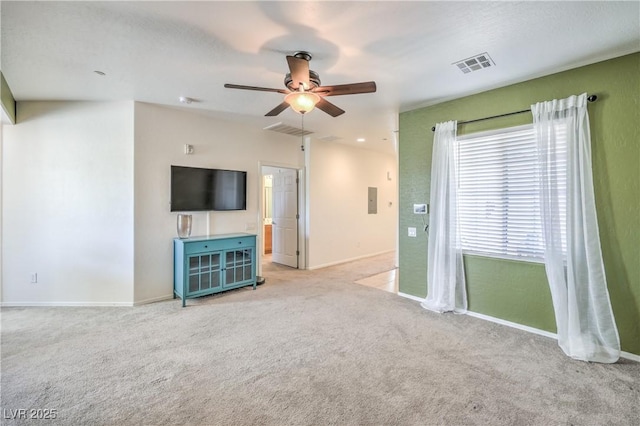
(197,189)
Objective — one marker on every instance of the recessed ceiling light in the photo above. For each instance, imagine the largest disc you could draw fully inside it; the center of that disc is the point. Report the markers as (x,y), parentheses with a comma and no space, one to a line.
(99,72)
(360,139)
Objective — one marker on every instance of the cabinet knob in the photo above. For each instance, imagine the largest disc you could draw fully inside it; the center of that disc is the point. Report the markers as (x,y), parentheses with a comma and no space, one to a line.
(206,246)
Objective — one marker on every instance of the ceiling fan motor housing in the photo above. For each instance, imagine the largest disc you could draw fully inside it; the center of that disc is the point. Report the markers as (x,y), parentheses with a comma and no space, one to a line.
(314,81)
(303,55)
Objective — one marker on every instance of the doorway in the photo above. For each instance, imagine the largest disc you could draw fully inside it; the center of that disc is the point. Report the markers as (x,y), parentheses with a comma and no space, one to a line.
(281,220)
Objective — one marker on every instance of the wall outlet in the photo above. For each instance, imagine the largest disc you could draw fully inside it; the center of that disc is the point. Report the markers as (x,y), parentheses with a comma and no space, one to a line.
(251,226)
(412,232)
(34,278)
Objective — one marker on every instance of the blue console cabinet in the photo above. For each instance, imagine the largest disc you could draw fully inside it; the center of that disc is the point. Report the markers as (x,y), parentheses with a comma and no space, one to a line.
(213,263)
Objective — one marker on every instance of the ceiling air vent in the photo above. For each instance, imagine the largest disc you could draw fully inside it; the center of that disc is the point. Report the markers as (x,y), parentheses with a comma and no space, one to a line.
(329,138)
(287,130)
(475,63)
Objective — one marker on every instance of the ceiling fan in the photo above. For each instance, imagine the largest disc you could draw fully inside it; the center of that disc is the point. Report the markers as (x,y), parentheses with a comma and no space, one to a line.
(304,91)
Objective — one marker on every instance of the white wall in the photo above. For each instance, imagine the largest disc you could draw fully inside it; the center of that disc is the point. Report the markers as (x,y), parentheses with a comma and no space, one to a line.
(160,135)
(340,227)
(2,124)
(86,188)
(67,186)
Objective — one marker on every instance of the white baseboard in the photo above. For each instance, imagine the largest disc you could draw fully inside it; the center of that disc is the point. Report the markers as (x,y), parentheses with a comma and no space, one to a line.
(554,336)
(63,304)
(514,325)
(409,296)
(339,262)
(153,300)
(87,304)
(630,356)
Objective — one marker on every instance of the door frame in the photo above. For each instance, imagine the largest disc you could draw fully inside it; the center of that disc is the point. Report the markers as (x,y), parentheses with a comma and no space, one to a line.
(302,220)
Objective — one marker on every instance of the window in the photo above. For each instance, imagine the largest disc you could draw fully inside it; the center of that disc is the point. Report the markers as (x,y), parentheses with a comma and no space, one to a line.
(498,195)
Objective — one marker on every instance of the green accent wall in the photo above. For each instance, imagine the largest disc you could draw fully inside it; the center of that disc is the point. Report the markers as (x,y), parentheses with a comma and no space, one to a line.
(518,291)
(7,100)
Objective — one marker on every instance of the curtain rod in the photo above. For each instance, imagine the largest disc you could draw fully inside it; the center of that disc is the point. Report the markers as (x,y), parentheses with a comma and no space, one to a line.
(591,98)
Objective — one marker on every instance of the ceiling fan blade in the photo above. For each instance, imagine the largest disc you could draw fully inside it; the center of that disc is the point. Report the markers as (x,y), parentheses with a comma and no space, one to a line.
(299,71)
(329,108)
(346,89)
(277,110)
(260,89)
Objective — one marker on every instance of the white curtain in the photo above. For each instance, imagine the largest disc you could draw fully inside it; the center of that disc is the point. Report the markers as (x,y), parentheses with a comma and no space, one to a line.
(584,318)
(445,275)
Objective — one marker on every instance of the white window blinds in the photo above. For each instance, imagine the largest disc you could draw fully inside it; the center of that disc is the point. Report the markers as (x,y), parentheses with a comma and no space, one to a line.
(498,195)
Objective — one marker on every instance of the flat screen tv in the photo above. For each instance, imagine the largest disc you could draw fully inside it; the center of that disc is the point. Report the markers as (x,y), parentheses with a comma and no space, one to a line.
(197,189)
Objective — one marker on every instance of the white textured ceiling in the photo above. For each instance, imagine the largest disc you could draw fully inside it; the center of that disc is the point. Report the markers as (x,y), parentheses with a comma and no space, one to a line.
(158,51)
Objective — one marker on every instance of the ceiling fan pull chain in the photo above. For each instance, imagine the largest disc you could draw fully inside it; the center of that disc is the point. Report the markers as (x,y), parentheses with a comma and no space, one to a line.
(302,137)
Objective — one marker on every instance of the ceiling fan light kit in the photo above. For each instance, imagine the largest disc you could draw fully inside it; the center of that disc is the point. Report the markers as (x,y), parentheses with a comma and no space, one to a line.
(304,90)
(302,102)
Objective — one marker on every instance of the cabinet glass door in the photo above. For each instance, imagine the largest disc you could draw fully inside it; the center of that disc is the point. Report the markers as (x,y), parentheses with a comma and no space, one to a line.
(204,272)
(238,266)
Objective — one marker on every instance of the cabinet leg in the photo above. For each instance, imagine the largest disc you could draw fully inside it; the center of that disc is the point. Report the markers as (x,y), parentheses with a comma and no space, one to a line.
(183,302)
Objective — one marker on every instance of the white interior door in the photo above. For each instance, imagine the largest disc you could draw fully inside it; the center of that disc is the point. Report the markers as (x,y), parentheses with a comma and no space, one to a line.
(285,218)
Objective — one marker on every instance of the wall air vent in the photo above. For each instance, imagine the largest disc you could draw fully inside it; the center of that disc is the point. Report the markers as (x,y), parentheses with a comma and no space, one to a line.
(287,130)
(475,63)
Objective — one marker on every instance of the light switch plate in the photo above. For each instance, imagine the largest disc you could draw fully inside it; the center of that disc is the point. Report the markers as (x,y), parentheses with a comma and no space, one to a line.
(420,208)
(412,232)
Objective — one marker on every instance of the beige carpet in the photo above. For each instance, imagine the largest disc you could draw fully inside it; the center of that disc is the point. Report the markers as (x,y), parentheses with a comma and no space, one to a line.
(305,348)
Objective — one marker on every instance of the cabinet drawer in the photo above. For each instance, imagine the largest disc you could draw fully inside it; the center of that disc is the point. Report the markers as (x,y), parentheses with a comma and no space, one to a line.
(211,245)
(201,246)
(240,242)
